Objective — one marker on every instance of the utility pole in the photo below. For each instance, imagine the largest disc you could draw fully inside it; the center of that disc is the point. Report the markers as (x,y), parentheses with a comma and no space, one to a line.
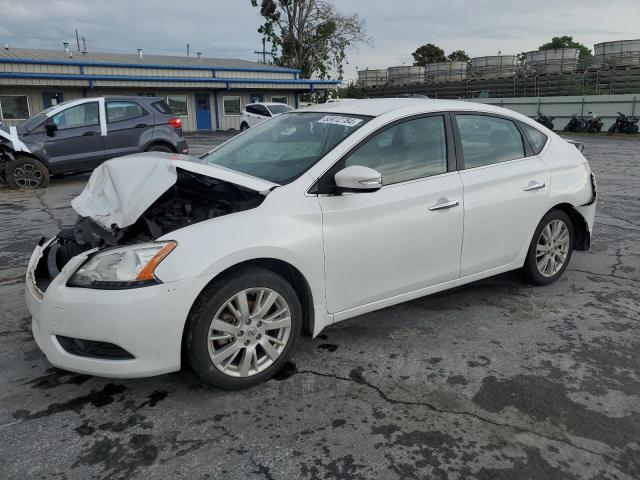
(77,39)
(263,52)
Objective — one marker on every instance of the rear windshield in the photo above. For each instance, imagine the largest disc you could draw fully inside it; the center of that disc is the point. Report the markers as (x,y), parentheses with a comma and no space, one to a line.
(275,109)
(284,147)
(162,107)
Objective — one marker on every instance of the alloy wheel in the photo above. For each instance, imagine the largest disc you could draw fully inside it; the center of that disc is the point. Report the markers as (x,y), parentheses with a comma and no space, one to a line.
(249,332)
(27,175)
(552,248)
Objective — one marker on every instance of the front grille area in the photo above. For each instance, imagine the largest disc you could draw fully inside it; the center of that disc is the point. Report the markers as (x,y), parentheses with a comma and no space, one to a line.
(92,349)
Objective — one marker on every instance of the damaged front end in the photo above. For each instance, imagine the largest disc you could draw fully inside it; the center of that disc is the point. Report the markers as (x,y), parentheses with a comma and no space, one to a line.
(133,201)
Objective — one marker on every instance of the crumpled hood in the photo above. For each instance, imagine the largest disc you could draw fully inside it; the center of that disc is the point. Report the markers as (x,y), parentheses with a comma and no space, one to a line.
(120,190)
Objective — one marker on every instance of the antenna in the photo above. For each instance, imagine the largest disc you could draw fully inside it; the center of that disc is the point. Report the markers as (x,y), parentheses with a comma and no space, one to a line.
(84,45)
(188,46)
(77,39)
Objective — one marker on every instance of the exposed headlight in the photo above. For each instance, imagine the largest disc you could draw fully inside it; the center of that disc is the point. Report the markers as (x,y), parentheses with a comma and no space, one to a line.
(124,267)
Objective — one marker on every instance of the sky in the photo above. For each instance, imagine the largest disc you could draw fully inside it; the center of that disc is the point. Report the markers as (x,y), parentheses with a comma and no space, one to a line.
(228,28)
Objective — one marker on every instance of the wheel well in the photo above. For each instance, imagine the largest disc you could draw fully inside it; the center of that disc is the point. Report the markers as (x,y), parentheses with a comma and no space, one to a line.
(159,142)
(580,228)
(290,273)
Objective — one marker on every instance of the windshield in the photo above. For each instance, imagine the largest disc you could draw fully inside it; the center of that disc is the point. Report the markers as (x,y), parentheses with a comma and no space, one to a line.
(276,109)
(30,123)
(283,148)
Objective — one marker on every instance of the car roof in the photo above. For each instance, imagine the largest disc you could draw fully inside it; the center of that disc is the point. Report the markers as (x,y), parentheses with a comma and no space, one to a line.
(376,107)
(266,104)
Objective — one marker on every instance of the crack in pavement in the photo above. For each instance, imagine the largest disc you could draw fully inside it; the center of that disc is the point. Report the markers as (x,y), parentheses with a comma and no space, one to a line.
(356,377)
(608,275)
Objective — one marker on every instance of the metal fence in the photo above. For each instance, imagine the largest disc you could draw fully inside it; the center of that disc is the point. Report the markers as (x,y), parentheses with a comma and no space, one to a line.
(607,106)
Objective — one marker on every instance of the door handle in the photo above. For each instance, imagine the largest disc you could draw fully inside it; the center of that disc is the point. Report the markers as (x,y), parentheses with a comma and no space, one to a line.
(534,186)
(141,125)
(444,205)
(88,134)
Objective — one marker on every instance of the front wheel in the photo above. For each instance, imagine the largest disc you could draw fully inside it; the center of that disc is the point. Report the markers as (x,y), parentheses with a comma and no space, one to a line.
(550,249)
(27,173)
(243,328)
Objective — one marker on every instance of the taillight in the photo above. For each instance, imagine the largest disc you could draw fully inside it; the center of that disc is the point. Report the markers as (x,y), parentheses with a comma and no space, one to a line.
(175,122)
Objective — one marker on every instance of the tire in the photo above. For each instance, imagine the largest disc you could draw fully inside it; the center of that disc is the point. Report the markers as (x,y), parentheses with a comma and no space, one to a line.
(214,331)
(160,148)
(535,270)
(27,173)
(244,127)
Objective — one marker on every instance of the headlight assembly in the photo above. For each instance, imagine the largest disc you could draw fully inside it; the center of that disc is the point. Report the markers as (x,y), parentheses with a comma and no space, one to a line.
(124,267)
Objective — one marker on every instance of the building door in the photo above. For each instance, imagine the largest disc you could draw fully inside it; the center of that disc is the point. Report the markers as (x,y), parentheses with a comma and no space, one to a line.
(52,98)
(203,112)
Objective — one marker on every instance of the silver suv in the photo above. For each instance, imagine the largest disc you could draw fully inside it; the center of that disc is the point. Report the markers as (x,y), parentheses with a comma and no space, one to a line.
(79,135)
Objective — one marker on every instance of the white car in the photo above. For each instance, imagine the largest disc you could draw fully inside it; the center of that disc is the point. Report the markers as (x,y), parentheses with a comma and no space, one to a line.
(306,220)
(256,113)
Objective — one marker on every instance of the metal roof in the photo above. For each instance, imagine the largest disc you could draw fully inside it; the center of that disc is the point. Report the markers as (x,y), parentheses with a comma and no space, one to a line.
(133,59)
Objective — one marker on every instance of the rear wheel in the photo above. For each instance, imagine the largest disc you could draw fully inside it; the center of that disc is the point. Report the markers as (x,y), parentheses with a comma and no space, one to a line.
(550,249)
(27,173)
(243,328)
(244,127)
(160,148)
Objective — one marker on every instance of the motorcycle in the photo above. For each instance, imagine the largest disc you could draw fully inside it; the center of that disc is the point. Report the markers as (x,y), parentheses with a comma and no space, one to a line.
(546,120)
(624,124)
(576,124)
(594,123)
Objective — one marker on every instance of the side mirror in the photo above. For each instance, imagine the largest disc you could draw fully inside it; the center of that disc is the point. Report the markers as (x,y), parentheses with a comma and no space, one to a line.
(358,179)
(51,129)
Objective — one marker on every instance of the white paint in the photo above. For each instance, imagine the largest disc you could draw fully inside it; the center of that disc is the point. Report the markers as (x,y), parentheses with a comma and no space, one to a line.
(358,252)
(14,138)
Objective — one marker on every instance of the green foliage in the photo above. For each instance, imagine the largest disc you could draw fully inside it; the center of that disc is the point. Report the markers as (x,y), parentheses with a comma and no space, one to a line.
(458,56)
(310,35)
(428,53)
(566,41)
(352,91)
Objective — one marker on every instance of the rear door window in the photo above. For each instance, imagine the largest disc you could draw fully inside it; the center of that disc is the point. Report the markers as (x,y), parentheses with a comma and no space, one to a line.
(536,138)
(487,140)
(120,111)
(162,107)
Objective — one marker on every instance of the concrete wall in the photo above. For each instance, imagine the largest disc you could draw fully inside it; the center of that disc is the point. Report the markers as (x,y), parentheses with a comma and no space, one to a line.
(562,108)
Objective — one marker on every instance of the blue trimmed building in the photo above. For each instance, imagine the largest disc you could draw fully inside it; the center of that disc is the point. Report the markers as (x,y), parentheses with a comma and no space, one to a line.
(207,93)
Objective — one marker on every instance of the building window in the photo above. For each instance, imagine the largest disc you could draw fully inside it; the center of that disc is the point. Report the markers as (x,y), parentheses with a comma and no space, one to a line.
(14,107)
(178,104)
(280,99)
(231,106)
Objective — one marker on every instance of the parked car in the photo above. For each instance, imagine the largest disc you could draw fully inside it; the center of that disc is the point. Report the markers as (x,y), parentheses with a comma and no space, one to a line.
(311,218)
(255,113)
(79,135)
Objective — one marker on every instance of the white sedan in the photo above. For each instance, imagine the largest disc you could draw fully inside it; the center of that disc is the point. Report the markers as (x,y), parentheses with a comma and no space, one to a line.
(306,220)
(256,113)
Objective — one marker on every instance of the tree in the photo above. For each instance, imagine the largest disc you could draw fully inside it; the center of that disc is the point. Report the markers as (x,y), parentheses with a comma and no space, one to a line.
(566,42)
(458,56)
(310,35)
(428,53)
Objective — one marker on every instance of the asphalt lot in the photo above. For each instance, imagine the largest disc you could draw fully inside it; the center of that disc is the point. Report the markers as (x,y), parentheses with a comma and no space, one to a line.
(493,380)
